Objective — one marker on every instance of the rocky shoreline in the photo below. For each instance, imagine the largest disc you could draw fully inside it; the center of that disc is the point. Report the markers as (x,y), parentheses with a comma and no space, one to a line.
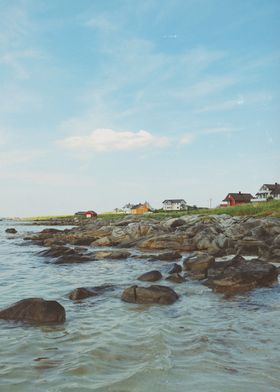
(194,245)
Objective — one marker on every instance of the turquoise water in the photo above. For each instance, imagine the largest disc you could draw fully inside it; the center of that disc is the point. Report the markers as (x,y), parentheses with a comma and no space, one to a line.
(202,343)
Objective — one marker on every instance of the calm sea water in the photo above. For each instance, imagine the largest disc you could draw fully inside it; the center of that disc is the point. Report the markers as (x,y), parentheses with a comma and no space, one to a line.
(202,343)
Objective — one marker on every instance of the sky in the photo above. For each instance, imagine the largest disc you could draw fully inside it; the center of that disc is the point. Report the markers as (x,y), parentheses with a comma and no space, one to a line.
(104,103)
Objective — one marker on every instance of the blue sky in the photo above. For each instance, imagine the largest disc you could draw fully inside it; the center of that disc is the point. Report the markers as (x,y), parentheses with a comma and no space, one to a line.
(108,102)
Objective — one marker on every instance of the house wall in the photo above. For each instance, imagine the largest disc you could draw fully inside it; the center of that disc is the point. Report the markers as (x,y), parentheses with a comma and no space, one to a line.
(139,210)
(173,206)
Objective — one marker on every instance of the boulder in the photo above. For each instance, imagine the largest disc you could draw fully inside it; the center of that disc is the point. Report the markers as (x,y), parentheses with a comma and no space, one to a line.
(151,276)
(155,294)
(239,275)
(35,310)
(11,230)
(199,263)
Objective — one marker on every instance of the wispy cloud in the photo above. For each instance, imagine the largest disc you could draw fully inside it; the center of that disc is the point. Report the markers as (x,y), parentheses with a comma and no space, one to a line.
(102,140)
(240,101)
(16,60)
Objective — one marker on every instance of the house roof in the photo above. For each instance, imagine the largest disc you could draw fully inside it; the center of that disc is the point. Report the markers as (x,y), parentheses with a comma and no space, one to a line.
(274,188)
(174,201)
(239,197)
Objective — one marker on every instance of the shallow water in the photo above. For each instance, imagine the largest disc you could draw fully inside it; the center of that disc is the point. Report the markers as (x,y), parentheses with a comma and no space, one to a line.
(202,343)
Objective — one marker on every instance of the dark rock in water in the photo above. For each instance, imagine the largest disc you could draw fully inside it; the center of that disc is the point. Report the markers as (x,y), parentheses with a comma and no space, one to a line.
(35,310)
(162,295)
(57,251)
(167,256)
(85,292)
(81,293)
(239,275)
(50,231)
(73,258)
(176,268)
(176,278)
(11,230)
(151,276)
(198,265)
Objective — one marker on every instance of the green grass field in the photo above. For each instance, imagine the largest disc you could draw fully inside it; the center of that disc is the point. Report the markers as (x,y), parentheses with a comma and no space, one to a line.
(271,208)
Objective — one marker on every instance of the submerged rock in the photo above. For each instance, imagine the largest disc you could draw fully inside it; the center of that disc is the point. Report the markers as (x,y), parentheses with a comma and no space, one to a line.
(155,294)
(35,310)
(11,230)
(176,278)
(151,276)
(176,268)
(86,292)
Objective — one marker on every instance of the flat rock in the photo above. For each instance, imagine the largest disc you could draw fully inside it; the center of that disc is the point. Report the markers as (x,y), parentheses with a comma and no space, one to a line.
(199,263)
(35,310)
(111,254)
(151,276)
(155,294)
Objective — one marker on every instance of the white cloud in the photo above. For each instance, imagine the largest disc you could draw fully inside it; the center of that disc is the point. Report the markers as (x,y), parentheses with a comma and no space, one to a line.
(102,140)
(187,138)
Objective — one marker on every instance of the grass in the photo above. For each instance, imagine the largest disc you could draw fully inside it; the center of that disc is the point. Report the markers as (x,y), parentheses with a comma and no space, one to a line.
(271,208)
(49,217)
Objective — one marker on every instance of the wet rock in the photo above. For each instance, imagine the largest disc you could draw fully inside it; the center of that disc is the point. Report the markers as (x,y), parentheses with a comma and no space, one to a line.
(175,268)
(35,310)
(151,276)
(11,230)
(167,256)
(176,278)
(239,275)
(111,254)
(198,263)
(155,294)
(86,292)
(73,258)
(58,251)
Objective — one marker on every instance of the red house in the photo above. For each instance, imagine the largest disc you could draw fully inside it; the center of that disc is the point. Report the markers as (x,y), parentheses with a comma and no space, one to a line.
(86,214)
(235,199)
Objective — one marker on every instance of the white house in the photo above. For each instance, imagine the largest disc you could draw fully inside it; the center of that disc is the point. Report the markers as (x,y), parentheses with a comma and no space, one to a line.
(174,205)
(267,192)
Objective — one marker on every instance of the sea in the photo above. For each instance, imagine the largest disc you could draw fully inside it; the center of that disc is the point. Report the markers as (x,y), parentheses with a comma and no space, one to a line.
(202,343)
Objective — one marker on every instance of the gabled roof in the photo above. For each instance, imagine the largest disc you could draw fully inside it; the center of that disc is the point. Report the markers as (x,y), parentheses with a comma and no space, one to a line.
(239,197)
(175,201)
(274,188)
